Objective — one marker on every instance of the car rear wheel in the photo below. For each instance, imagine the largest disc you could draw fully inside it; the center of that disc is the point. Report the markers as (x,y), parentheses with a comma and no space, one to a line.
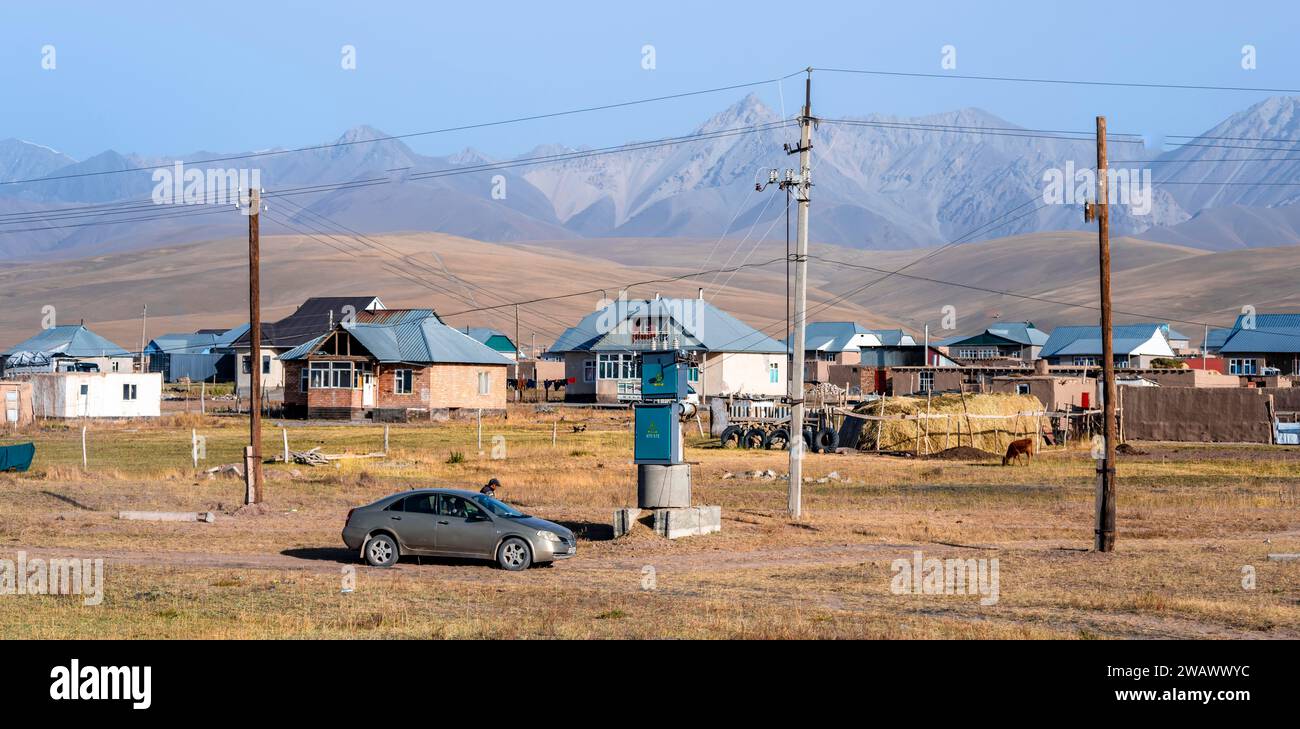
(514,555)
(381,551)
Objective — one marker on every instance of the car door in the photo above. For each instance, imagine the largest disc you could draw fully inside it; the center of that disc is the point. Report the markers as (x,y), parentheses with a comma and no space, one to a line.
(464,529)
(415,521)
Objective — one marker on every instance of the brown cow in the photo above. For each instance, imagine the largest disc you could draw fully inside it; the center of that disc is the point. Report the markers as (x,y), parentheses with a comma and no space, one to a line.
(1024,446)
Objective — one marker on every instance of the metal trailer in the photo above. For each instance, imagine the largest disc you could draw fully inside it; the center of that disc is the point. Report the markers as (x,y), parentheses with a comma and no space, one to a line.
(765,424)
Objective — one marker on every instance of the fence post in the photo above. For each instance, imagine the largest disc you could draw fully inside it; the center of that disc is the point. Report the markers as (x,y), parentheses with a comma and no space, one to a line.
(85,462)
(480,429)
(285,432)
(203,398)
(555,431)
(385,439)
(194,446)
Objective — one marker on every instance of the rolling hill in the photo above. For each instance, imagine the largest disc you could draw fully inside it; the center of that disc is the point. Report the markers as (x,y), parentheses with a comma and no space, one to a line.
(204,284)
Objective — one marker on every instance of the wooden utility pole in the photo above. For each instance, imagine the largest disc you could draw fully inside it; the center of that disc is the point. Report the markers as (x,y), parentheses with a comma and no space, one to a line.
(803,186)
(253,454)
(1100,211)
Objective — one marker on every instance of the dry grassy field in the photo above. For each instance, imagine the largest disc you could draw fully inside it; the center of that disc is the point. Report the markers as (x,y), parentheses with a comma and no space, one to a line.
(1194,521)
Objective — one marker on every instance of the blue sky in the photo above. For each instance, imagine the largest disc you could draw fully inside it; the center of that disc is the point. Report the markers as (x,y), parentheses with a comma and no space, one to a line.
(174,78)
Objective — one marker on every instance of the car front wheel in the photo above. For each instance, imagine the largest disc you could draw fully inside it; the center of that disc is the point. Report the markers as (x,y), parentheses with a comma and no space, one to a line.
(381,551)
(514,555)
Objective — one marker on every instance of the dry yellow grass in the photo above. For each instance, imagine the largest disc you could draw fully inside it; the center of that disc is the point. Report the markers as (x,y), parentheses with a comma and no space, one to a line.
(1192,520)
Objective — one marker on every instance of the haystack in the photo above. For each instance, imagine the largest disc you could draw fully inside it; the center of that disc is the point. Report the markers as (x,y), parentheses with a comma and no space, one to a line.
(950,424)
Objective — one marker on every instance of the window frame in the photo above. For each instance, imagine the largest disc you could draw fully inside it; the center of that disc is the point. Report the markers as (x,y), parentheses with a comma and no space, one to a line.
(130,392)
(403,381)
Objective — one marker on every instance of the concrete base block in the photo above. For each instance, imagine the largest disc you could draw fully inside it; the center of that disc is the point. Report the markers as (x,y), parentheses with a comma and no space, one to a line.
(663,487)
(623,521)
(688,522)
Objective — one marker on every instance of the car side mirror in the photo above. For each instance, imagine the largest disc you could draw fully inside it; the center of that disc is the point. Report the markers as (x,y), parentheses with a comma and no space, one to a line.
(476,517)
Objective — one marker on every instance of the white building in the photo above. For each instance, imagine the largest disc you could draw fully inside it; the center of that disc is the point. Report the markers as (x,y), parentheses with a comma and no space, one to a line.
(97,394)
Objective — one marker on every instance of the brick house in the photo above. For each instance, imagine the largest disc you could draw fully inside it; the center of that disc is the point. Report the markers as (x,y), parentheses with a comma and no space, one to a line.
(393,365)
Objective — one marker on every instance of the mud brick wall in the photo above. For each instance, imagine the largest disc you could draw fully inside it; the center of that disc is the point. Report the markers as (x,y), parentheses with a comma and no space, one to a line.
(1224,415)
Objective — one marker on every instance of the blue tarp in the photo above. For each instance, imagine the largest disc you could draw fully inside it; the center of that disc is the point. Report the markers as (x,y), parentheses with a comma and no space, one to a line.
(17,457)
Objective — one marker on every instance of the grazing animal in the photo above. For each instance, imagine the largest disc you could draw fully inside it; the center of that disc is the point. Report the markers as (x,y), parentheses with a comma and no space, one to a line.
(579,428)
(1023,447)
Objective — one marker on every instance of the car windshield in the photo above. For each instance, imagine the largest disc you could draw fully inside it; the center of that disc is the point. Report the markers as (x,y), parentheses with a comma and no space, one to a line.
(498,508)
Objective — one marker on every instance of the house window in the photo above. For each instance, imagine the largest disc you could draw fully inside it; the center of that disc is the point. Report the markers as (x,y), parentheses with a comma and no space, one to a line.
(302,381)
(1242,367)
(331,375)
(1022,388)
(927,381)
(1085,361)
(693,373)
(484,383)
(129,392)
(978,353)
(589,370)
(114,365)
(618,366)
(266,364)
(401,382)
(1121,361)
(773,372)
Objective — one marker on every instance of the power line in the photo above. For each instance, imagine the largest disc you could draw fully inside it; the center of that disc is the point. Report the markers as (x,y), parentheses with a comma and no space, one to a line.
(354,184)
(409,135)
(1057,81)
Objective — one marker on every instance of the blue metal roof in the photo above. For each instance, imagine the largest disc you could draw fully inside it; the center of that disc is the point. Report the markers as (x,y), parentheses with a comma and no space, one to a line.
(182,343)
(1216,337)
(695,324)
(1271,333)
(409,335)
(1023,333)
(70,340)
(836,336)
(1126,338)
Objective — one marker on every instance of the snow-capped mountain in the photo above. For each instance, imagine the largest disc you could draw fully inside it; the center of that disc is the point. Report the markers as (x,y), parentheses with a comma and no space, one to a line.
(879,182)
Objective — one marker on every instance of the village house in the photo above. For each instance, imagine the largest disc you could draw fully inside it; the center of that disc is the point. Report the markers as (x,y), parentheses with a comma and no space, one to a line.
(1134,345)
(1011,341)
(845,353)
(313,318)
(66,347)
(1269,342)
(393,365)
(495,340)
(602,352)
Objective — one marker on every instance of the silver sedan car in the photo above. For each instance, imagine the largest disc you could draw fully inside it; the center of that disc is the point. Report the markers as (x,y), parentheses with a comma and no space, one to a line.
(453,523)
